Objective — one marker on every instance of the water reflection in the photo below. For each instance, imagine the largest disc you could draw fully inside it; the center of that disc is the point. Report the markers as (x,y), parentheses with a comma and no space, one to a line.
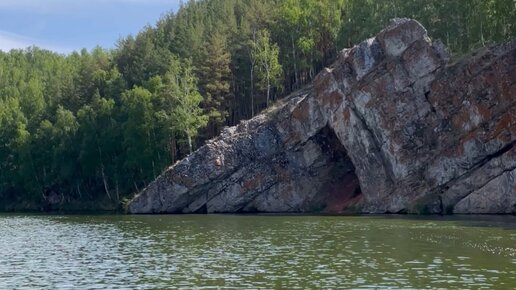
(292,252)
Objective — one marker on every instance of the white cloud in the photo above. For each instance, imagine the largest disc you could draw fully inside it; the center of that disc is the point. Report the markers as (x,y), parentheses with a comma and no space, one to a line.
(10,41)
(51,10)
(49,6)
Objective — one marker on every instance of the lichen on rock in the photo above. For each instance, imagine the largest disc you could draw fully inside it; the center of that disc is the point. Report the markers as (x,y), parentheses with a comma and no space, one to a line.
(390,127)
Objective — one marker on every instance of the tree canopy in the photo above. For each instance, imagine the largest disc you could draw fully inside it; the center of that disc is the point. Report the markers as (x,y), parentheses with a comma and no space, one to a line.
(94,127)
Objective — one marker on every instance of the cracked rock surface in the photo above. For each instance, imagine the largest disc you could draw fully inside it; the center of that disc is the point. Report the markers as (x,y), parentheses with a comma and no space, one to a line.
(390,127)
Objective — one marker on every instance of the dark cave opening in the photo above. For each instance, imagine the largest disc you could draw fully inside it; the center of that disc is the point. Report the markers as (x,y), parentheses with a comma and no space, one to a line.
(202,210)
(342,190)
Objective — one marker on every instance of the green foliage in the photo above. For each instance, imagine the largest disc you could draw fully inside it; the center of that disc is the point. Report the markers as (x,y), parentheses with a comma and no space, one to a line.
(215,77)
(96,126)
(187,116)
(461,24)
(269,68)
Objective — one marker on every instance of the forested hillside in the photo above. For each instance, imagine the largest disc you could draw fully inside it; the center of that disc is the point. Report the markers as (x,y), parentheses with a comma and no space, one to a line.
(88,129)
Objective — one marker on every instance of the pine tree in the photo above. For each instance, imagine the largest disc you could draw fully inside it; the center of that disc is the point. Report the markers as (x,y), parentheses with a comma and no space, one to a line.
(215,77)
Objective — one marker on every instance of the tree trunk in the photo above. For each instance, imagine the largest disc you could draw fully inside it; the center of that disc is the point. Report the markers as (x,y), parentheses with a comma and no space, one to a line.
(268,87)
(190,143)
(296,82)
(105,182)
(117,190)
(252,91)
(253,63)
(482,34)
(102,171)
(172,149)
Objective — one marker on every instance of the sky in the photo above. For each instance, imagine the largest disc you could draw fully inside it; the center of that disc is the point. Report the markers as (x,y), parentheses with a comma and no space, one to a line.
(68,25)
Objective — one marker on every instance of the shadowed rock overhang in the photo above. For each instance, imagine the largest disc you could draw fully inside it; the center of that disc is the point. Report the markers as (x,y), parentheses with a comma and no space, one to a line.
(390,127)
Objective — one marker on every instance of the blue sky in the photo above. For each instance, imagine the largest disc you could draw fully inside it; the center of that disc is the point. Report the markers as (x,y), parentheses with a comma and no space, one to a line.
(67,25)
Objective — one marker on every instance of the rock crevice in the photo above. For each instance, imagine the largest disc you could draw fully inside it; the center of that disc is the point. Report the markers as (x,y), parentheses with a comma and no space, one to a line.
(390,127)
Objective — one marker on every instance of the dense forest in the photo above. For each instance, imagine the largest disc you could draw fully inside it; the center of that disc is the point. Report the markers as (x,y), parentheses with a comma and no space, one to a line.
(88,129)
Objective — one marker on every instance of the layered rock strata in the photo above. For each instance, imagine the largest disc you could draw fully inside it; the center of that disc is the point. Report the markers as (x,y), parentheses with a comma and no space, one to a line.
(390,127)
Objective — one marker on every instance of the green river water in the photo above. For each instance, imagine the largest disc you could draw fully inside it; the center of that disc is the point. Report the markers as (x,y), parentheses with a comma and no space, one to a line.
(256,252)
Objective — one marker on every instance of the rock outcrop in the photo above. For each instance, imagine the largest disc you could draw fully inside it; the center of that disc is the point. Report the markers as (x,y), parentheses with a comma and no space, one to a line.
(390,127)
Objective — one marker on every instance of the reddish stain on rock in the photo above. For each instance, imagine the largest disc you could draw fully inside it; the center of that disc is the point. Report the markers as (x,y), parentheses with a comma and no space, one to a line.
(344,194)
(346,114)
(253,183)
(302,112)
(424,131)
(332,99)
(505,123)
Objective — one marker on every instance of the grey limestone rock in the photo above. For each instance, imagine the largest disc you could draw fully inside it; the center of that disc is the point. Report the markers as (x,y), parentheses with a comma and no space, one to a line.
(390,127)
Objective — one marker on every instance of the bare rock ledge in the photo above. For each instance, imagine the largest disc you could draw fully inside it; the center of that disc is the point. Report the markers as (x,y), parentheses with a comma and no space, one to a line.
(390,127)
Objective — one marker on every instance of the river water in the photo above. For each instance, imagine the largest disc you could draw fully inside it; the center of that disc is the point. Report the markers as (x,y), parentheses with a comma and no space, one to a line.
(255,252)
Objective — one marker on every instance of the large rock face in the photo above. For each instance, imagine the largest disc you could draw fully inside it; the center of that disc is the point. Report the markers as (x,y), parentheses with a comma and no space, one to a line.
(389,128)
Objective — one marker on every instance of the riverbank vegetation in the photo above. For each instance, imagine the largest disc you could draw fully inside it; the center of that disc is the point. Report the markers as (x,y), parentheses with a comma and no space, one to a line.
(88,129)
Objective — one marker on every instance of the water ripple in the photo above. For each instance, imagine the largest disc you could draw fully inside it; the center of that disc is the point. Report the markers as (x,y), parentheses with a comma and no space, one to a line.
(259,252)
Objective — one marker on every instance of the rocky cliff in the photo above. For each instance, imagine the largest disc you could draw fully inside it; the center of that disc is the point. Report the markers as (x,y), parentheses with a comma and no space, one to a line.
(390,127)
